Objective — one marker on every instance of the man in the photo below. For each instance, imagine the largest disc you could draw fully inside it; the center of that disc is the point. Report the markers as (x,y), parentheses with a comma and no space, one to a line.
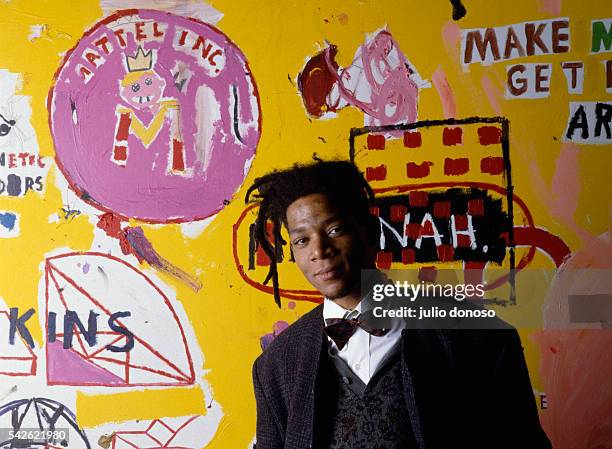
(328,382)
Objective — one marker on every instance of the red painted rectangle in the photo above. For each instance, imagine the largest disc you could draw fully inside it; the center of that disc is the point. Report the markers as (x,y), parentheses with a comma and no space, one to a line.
(398,213)
(413,230)
(489,135)
(418,198)
(412,139)
(494,165)
(456,167)
(463,241)
(452,136)
(376,142)
(414,170)
(445,253)
(375,211)
(408,256)
(441,209)
(461,222)
(476,208)
(376,173)
(384,260)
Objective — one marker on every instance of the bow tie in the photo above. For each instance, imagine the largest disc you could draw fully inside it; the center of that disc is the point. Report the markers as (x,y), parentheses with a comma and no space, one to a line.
(341,329)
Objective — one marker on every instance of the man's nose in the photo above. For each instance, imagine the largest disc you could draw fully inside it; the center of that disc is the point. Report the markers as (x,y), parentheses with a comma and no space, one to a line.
(322,247)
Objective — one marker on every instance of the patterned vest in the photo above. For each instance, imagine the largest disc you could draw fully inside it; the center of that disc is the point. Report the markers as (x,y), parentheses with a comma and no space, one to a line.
(352,415)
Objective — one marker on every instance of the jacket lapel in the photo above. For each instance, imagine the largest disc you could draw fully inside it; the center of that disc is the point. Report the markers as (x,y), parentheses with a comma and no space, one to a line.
(301,414)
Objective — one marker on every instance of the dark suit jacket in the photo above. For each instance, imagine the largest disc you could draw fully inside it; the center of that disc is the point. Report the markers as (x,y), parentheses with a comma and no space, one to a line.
(463,388)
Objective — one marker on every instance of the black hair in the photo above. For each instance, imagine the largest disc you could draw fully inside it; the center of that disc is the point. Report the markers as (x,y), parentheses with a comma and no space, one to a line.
(342,183)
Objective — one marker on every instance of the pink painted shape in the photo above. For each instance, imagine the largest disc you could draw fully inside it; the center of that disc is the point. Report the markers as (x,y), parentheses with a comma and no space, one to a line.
(65,366)
(494,94)
(551,6)
(445,92)
(451,35)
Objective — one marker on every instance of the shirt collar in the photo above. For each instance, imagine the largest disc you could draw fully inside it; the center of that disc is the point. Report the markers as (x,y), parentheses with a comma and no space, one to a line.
(334,310)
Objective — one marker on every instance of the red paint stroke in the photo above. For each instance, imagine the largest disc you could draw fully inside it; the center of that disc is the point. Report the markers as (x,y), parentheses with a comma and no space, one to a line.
(384,260)
(456,167)
(376,173)
(152,436)
(464,241)
(398,212)
(553,246)
(461,222)
(412,139)
(489,135)
(476,207)
(50,275)
(445,93)
(493,165)
(316,80)
(418,199)
(452,136)
(375,211)
(427,229)
(445,253)
(414,170)
(178,155)
(413,230)
(442,209)
(376,142)
(408,256)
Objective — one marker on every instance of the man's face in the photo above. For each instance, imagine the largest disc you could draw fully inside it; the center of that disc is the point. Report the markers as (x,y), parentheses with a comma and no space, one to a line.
(329,247)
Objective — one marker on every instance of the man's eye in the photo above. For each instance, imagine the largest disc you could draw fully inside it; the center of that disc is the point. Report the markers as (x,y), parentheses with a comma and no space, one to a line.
(135,87)
(148,81)
(336,230)
(300,241)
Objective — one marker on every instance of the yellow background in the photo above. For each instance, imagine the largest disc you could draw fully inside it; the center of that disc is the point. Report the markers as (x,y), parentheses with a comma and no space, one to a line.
(228,316)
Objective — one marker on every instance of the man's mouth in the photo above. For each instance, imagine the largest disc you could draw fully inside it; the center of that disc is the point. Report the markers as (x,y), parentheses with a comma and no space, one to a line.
(142,100)
(327,274)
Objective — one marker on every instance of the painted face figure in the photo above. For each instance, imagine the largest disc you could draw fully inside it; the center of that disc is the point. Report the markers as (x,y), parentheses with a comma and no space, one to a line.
(329,246)
(142,89)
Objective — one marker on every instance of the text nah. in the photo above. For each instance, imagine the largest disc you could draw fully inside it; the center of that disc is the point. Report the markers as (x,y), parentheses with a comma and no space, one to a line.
(442,226)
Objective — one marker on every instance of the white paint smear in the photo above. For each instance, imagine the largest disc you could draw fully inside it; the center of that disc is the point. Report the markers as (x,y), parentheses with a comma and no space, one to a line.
(188,8)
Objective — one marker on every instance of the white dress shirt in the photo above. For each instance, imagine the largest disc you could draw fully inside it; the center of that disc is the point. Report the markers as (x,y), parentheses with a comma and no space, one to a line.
(363,352)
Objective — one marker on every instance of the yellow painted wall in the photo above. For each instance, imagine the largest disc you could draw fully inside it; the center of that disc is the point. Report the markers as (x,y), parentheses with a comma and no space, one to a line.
(229,316)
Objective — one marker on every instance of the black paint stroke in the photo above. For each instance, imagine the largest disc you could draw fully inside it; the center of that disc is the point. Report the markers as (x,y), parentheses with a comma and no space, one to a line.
(236,130)
(459,10)
(6,127)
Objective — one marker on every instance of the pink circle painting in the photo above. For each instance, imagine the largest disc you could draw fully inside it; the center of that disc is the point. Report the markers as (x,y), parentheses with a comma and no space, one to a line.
(155,116)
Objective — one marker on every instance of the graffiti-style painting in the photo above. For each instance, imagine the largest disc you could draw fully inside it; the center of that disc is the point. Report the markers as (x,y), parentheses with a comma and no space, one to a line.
(134,295)
(168,110)
(108,324)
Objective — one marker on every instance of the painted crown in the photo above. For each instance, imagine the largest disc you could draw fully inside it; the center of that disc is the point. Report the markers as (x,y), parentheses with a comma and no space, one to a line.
(140,61)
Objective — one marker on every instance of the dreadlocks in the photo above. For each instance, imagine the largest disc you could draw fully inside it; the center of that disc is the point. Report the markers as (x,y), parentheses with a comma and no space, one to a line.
(340,181)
